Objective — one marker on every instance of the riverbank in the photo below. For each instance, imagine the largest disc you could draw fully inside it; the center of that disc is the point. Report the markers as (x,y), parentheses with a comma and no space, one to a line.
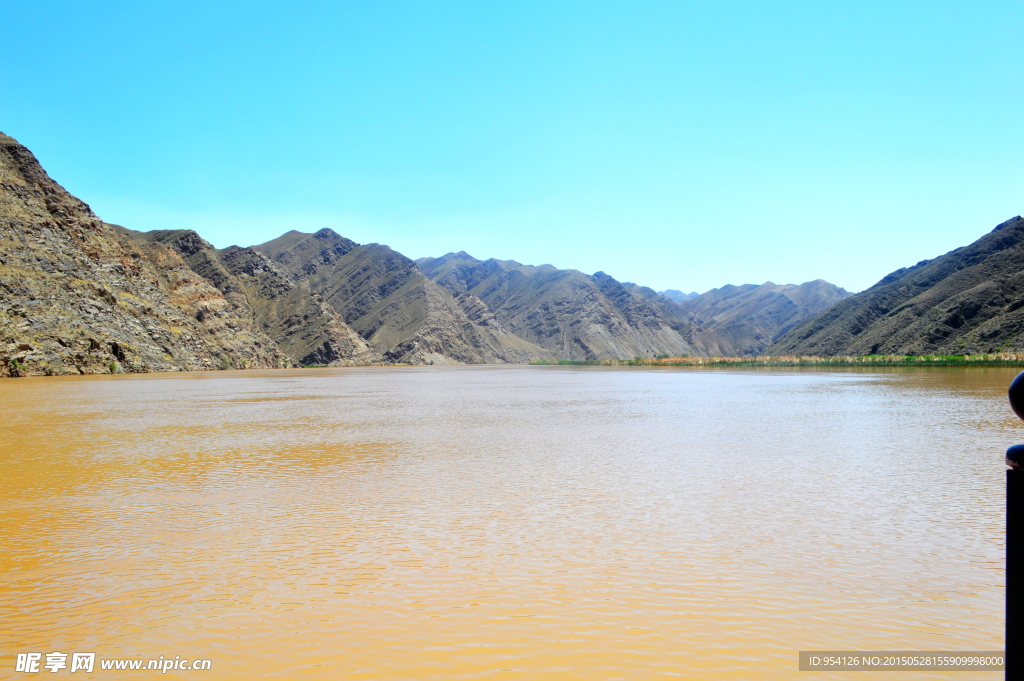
(1000,359)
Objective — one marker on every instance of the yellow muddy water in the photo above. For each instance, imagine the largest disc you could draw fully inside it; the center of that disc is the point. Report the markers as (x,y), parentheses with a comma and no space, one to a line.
(503,522)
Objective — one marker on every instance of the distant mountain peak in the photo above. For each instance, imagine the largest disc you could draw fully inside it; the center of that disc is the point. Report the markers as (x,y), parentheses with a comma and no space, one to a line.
(461,255)
(1008,223)
(677,296)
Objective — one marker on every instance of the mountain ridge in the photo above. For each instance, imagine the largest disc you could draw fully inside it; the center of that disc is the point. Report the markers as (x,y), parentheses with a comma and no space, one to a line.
(571,314)
(633,320)
(966,301)
(398,311)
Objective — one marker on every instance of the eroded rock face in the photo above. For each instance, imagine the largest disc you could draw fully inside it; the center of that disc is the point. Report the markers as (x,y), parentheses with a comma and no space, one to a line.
(77,297)
(398,311)
(298,321)
(580,316)
(461,330)
(570,314)
(734,321)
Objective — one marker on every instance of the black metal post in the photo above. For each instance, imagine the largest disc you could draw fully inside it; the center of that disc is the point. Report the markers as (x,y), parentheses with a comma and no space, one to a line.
(1014,573)
(1015,546)
(1014,570)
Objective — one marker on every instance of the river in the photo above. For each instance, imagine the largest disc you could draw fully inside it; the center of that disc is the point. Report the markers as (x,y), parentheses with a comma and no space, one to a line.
(504,522)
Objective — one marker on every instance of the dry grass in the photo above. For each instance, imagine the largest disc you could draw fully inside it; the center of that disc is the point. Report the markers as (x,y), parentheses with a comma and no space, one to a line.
(992,359)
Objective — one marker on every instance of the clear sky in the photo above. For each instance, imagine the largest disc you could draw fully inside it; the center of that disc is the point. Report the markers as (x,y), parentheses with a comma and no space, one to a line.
(677,145)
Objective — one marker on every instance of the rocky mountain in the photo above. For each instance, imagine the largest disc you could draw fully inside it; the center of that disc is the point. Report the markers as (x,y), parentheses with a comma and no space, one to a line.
(745,320)
(969,300)
(402,314)
(299,322)
(579,316)
(78,297)
(736,321)
(570,314)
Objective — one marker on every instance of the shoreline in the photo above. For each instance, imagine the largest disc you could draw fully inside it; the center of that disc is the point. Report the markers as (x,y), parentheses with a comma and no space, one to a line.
(999,359)
(1004,359)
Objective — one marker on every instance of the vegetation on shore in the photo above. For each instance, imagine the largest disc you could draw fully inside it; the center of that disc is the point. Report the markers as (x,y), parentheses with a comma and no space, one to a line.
(1010,359)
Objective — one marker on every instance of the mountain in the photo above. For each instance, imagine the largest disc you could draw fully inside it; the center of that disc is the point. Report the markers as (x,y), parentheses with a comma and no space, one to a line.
(580,316)
(299,322)
(745,320)
(677,296)
(402,315)
(969,300)
(76,296)
(570,314)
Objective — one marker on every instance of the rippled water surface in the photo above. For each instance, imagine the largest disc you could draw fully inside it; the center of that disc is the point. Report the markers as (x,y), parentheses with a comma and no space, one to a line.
(503,522)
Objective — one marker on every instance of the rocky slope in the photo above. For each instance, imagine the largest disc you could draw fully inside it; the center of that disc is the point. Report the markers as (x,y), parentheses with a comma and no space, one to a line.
(571,314)
(969,300)
(78,297)
(299,322)
(579,316)
(743,320)
(400,313)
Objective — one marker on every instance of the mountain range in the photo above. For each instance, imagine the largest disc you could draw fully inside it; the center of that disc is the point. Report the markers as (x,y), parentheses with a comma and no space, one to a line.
(79,295)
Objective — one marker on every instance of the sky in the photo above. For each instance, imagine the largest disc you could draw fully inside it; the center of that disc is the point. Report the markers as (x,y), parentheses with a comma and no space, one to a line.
(675,145)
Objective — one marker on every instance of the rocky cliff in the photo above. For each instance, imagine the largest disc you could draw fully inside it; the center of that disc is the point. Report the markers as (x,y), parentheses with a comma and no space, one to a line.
(78,297)
(970,300)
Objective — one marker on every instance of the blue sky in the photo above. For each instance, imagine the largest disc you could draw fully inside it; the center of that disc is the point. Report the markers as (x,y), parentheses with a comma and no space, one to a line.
(677,145)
